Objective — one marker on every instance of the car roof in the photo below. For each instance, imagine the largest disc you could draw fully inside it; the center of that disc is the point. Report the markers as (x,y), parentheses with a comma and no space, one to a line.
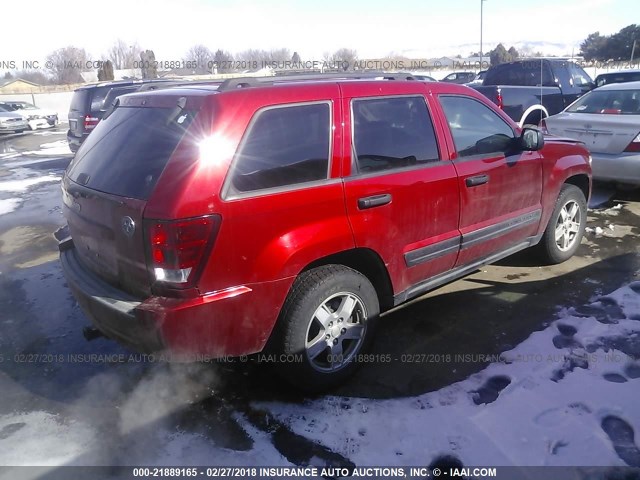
(619,72)
(291,82)
(621,86)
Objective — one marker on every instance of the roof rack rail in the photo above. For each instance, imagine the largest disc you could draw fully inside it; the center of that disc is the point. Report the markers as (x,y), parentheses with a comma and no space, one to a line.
(244,82)
(177,83)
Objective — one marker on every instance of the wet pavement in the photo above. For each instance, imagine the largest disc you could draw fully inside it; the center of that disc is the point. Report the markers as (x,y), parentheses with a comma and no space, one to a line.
(206,413)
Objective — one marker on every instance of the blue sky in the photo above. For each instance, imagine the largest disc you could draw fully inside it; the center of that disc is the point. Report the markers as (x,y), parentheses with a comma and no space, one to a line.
(375,28)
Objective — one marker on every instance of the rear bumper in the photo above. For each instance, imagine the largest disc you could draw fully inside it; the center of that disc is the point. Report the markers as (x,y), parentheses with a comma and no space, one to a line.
(75,142)
(13,127)
(231,322)
(623,168)
(111,311)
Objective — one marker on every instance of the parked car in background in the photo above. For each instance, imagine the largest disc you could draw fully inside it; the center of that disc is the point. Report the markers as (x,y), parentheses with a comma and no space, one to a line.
(423,78)
(36,117)
(11,121)
(459,77)
(479,78)
(225,221)
(88,106)
(533,89)
(618,77)
(607,120)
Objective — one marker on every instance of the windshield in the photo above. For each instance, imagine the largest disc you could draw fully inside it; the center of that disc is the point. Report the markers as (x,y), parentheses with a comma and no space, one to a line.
(620,102)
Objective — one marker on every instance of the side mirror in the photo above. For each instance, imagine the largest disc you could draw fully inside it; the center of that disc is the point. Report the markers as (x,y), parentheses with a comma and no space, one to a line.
(587,87)
(531,139)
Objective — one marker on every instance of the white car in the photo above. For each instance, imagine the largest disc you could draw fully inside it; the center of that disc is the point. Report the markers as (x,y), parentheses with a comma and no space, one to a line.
(607,120)
(36,117)
(11,121)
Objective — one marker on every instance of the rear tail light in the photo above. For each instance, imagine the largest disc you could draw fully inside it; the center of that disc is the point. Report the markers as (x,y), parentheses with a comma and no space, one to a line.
(543,126)
(634,146)
(499,101)
(90,122)
(177,250)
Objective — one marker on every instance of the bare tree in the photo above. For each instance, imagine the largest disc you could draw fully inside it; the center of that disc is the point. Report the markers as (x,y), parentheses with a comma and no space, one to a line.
(346,57)
(279,55)
(124,55)
(223,60)
(66,64)
(200,55)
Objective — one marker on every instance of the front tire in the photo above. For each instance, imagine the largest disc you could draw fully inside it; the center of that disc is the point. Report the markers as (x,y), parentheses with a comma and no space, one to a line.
(326,322)
(566,226)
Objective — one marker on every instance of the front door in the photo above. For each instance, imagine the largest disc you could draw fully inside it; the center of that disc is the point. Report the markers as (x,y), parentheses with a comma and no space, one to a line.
(500,186)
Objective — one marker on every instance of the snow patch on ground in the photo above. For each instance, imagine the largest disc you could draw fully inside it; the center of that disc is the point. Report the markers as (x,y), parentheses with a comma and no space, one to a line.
(61,147)
(9,205)
(23,184)
(548,401)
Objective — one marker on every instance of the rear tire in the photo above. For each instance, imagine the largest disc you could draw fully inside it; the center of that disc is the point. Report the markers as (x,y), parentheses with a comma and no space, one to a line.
(326,322)
(566,226)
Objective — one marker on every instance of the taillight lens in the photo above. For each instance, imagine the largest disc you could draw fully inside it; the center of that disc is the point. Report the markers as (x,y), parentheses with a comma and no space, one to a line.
(90,122)
(178,249)
(499,101)
(634,146)
(543,126)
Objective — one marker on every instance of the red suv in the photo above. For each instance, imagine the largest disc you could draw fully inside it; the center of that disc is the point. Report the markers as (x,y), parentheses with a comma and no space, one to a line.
(285,215)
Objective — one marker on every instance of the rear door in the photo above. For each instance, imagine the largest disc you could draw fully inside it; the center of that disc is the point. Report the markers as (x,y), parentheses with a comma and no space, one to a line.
(402,195)
(500,189)
(107,185)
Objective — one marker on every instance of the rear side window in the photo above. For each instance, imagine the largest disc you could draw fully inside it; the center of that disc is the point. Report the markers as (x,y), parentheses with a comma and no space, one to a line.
(525,74)
(391,133)
(97,98)
(476,129)
(284,146)
(128,151)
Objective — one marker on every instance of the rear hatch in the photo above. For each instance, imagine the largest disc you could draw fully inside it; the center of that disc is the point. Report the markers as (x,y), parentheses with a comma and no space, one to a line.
(106,187)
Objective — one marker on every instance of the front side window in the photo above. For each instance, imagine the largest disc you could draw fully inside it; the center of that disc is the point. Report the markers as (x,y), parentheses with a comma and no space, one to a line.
(391,133)
(285,146)
(476,129)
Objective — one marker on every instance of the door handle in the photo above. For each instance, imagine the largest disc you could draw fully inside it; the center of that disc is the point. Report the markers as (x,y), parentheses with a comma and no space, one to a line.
(477,180)
(374,201)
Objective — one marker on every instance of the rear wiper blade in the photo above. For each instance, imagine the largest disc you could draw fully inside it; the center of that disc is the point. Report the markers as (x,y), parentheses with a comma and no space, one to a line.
(177,110)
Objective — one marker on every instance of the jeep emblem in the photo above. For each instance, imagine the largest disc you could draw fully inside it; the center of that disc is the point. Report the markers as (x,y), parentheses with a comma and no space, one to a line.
(128,226)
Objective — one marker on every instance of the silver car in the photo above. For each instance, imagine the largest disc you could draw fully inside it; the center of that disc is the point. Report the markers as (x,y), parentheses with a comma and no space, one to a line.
(12,122)
(607,120)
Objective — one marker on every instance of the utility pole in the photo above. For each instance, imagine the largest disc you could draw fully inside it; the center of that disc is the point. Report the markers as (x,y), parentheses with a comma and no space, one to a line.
(481,5)
(633,49)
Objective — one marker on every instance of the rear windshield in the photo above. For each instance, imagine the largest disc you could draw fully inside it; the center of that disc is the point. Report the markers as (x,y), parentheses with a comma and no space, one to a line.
(128,151)
(527,74)
(79,101)
(620,102)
